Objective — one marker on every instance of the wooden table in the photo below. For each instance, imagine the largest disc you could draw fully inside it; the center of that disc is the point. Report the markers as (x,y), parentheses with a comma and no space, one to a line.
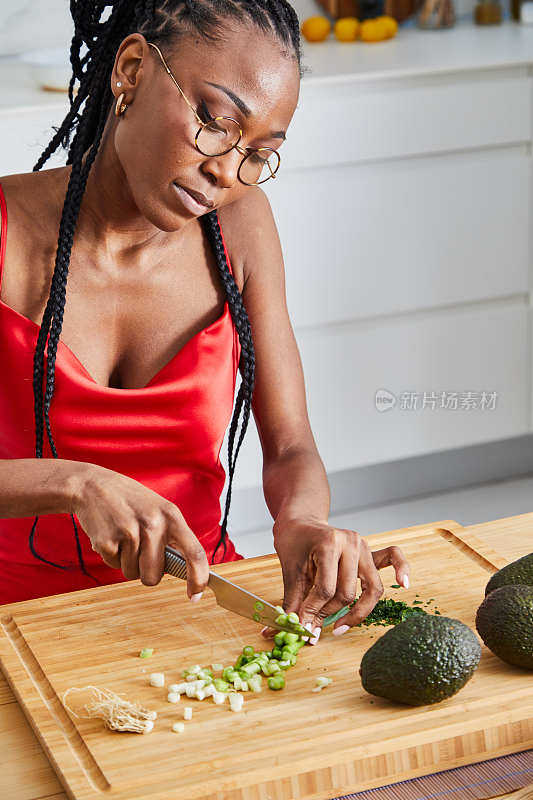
(25,773)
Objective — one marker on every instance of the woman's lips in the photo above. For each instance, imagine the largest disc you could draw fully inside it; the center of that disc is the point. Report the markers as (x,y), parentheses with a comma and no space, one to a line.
(189,201)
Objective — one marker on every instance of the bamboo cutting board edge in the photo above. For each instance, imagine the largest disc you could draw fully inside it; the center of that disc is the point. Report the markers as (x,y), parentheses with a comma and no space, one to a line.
(37,708)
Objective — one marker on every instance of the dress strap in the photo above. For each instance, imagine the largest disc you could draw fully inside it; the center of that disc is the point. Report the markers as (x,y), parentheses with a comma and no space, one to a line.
(3,231)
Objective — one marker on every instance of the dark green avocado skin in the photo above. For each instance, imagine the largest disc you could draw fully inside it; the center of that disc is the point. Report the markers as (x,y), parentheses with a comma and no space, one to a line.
(504,620)
(420,661)
(519,571)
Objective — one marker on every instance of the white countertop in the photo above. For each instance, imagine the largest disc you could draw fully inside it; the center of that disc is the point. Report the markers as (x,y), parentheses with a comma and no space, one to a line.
(420,52)
(412,52)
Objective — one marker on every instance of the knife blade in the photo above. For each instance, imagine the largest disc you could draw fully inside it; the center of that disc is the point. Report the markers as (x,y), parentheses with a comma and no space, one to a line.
(228,595)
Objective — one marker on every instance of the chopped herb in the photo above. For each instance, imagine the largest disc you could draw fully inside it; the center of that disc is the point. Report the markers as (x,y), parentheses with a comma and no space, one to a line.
(146,652)
(395,586)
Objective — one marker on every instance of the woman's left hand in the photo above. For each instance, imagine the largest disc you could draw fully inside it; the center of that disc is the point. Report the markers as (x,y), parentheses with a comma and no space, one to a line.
(320,566)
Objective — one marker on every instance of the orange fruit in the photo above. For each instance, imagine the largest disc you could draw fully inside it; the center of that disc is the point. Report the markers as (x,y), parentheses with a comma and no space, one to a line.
(346,29)
(316,29)
(390,24)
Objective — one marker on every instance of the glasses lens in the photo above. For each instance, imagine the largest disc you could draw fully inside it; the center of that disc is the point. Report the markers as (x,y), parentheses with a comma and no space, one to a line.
(259,166)
(218,137)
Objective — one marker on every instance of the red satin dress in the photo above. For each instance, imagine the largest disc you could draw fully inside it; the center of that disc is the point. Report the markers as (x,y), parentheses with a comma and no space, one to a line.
(167,435)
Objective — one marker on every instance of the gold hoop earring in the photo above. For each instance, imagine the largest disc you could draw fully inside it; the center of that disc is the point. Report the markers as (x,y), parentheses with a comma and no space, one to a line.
(120,107)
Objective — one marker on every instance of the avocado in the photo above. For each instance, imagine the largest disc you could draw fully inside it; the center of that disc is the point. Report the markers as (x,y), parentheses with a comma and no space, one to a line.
(420,661)
(519,571)
(504,620)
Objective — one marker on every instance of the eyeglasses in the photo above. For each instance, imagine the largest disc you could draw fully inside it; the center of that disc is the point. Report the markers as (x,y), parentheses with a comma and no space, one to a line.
(221,134)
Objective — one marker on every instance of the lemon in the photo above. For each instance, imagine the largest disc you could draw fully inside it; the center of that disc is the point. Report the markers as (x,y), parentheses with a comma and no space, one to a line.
(389,24)
(346,29)
(316,29)
(372,30)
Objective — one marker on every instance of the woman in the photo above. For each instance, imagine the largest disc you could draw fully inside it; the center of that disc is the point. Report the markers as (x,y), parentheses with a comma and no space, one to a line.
(143,376)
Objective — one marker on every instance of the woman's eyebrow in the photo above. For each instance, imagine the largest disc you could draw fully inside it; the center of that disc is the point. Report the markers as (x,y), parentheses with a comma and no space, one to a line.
(241,105)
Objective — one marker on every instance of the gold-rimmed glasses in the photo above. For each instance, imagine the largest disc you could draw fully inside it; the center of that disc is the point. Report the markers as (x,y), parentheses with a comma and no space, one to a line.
(221,134)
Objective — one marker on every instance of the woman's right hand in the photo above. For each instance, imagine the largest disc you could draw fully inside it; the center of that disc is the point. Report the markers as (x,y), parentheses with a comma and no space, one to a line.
(129,525)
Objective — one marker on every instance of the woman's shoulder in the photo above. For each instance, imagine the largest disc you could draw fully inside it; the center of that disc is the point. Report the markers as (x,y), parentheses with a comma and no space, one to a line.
(31,202)
(32,213)
(243,222)
(23,186)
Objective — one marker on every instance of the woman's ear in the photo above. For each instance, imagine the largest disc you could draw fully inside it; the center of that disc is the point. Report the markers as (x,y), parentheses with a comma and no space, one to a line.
(128,68)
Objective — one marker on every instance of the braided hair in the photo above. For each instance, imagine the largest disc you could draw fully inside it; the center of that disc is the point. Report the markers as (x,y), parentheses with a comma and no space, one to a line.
(100,27)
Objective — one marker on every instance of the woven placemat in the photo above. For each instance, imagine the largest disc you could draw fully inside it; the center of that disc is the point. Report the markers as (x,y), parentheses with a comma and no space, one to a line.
(485,779)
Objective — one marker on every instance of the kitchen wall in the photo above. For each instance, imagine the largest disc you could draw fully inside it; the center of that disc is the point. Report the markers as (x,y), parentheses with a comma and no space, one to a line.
(31,24)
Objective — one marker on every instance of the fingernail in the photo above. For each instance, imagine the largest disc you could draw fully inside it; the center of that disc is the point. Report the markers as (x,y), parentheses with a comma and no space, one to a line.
(340,630)
(309,627)
(196,597)
(405,581)
(316,635)
(264,629)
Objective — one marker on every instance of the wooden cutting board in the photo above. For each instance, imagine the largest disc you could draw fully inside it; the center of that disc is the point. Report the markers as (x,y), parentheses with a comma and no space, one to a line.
(288,745)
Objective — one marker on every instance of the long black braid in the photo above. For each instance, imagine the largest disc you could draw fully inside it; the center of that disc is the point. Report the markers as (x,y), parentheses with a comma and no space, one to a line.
(101,27)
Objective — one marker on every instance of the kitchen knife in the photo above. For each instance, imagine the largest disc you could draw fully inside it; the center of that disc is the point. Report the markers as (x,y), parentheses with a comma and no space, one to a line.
(228,594)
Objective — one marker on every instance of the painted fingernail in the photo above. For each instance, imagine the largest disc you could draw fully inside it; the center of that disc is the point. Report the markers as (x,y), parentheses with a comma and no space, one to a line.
(340,630)
(264,629)
(405,581)
(316,635)
(196,597)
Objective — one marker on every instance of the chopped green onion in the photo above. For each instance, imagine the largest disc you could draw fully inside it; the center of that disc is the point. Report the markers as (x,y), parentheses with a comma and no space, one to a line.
(251,668)
(248,651)
(146,652)
(254,684)
(256,617)
(280,639)
(236,701)
(276,682)
(322,680)
(157,679)
(178,727)
(217,667)
(291,638)
(187,712)
(281,620)
(293,618)
(258,606)
(221,685)
(280,609)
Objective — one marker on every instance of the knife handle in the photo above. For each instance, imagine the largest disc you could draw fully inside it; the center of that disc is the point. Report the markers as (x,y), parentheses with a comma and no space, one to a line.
(175,564)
